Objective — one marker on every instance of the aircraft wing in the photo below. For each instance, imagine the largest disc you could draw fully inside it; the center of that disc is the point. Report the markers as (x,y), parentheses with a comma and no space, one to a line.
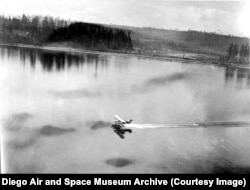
(118,120)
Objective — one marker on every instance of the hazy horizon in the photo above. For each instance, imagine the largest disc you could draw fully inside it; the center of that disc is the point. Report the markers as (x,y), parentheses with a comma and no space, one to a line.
(223,17)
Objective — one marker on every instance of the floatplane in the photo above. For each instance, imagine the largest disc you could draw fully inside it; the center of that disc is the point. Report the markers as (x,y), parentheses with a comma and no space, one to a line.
(121,126)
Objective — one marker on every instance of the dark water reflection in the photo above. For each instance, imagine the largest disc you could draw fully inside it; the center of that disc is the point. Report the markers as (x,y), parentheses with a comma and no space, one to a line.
(54,60)
(60,61)
(240,75)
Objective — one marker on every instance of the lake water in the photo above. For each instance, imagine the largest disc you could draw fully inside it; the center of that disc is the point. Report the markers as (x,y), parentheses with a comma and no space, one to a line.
(57,108)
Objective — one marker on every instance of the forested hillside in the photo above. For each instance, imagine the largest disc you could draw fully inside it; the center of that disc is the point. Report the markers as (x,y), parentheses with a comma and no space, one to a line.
(40,30)
(93,36)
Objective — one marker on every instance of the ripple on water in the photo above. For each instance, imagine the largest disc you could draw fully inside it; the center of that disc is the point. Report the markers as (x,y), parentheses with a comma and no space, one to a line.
(99,125)
(49,130)
(16,121)
(119,162)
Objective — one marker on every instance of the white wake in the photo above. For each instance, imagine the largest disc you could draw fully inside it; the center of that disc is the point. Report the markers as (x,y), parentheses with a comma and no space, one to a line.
(189,125)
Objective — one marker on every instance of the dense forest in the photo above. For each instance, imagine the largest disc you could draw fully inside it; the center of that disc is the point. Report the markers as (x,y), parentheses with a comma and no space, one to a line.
(41,30)
(28,29)
(93,35)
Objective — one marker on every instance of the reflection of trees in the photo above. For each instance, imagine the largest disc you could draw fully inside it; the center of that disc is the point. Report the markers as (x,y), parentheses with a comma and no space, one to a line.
(25,55)
(28,54)
(33,57)
(59,60)
(47,61)
(22,55)
(229,74)
(248,78)
(51,60)
(62,60)
(12,52)
(240,74)
(2,51)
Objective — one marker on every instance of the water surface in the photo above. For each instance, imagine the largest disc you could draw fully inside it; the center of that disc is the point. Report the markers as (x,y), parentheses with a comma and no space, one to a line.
(57,108)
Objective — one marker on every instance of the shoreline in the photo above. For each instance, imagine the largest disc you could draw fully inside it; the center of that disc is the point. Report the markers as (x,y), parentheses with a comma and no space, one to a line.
(202,59)
(99,52)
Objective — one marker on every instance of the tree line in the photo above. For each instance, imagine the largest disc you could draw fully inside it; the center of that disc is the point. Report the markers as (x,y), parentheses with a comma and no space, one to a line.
(93,35)
(237,54)
(45,29)
(29,28)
